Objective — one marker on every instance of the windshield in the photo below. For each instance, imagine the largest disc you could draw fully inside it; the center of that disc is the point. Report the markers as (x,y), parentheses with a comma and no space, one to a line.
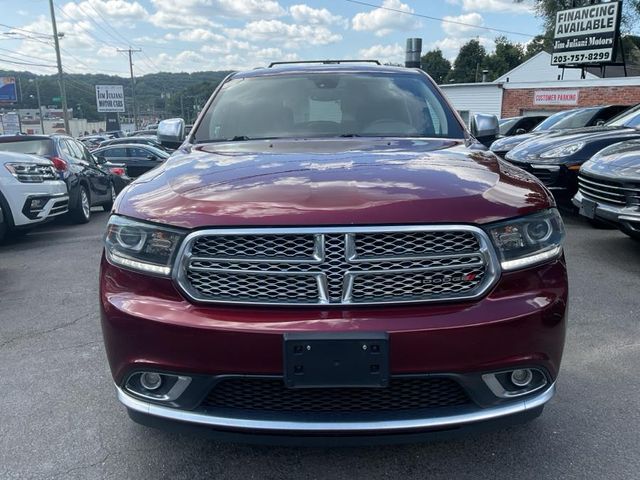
(506,124)
(35,147)
(328,105)
(629,118)
(570,119)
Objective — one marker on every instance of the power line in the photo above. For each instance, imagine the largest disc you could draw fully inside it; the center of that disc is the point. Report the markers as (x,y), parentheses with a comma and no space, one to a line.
(30,64)
(131,51)
(443,20)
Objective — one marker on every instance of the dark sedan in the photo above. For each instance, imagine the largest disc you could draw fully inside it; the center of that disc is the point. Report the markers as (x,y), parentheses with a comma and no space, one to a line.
(150,140)
(565,120)
(556,158)
(137,158)
(519,125)
(89,183)
(609,187)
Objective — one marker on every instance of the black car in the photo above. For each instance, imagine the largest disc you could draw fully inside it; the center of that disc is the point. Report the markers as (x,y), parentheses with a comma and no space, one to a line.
(89,184)
(151,141)
(137,158)
(519,125)
(565,120)
(609,187)
(556,158)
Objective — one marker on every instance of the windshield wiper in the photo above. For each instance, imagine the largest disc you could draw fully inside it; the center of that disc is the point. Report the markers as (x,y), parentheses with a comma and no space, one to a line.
(349,135)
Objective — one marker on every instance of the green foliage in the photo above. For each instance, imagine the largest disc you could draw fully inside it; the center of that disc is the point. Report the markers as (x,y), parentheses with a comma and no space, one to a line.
(467,67)
(506,57)
(434,63)
(159,93)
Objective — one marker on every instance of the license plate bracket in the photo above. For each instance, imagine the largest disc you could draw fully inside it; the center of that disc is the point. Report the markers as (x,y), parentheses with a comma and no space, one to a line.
(327,360)
(588,208)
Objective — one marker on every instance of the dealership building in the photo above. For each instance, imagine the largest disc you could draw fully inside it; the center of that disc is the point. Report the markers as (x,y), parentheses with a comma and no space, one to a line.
(536,87)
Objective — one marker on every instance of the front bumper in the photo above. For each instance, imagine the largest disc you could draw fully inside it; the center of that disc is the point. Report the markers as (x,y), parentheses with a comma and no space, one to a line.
(148,325)
(625,216)
(555,177)
(51,197)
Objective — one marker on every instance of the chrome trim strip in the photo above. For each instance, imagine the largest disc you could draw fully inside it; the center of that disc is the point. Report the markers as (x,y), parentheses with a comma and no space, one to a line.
(387,426)
(499,391)
(589,187)
(486,250)
(604,199)
(616,187)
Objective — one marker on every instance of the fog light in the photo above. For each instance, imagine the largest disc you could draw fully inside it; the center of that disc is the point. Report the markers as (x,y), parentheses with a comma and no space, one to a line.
(38,204)
(150,381)
(521,378)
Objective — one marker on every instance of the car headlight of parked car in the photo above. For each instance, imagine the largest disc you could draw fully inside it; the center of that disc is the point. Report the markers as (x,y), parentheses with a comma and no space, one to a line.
(26,172)
(563,150)
(141,247)
(529,240)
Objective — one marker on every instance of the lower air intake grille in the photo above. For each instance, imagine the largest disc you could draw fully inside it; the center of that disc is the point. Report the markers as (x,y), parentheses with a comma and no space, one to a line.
(271,395)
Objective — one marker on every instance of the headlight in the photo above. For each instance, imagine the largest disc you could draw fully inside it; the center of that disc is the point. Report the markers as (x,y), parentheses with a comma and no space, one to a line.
(26,172)
(142,247)
(563,150)
(529,240)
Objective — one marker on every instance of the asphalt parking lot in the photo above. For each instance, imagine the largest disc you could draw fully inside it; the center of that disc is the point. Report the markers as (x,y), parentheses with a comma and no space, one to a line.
(60,419)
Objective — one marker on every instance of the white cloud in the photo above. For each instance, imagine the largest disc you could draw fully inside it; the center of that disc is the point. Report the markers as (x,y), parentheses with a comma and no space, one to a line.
(109,9)
(393,53)
(189,13)
(450,46)
(315,16)
(191,61)
(382,22)
(287,34)
(470,20)
(498,6)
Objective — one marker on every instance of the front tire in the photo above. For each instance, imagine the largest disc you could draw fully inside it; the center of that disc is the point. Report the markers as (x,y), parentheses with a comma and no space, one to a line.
(109,205)
(82,214)
(631,233)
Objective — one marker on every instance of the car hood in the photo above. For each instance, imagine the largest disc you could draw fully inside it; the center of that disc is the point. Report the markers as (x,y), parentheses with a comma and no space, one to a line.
(331,182)
(505,144)
(536,146)
(620,161)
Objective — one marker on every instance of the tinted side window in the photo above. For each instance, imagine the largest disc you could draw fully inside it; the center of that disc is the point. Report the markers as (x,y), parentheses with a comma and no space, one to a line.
(74,150)
(86,155)
(114,152)
(138,152)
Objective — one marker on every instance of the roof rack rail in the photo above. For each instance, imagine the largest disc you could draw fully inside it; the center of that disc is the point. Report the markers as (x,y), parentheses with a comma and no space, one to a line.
(325,62)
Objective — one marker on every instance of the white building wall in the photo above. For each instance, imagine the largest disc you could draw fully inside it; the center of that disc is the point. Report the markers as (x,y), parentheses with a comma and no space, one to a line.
(472,98)
(539,69)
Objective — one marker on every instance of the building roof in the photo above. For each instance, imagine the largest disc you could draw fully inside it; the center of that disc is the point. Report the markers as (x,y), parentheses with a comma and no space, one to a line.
(539,69)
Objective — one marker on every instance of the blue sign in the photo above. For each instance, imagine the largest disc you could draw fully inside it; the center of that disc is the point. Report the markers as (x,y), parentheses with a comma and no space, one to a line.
(8,91)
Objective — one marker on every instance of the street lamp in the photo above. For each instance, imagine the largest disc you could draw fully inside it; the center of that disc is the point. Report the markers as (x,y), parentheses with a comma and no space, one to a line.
(32,80)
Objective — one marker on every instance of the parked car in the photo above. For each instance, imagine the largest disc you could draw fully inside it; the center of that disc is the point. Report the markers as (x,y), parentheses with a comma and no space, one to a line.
(558,123)
(138,158)
(30,192)
(88,183)
(609,187)
(143,133)
(556,159)
(151,141)
(519,125)
(335,256)
(93,141)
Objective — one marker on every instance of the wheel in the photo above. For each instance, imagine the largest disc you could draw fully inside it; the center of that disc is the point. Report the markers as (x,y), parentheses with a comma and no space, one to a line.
(632,233)
(109,205)
(82,214)
(3,228)
(600,224)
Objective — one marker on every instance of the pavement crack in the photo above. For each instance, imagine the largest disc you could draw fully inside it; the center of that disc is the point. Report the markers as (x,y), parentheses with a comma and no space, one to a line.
(38,333)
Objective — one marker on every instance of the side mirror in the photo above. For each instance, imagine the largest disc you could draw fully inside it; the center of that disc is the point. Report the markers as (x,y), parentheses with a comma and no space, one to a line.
(600,122)
(485,128)
(520,131)
(100,160)
(171,132)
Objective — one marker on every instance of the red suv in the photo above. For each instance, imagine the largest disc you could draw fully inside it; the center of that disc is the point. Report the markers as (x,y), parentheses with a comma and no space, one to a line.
(331,254)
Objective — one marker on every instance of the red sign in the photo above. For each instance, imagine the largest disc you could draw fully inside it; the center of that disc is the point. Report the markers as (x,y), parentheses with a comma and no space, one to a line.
(556,97)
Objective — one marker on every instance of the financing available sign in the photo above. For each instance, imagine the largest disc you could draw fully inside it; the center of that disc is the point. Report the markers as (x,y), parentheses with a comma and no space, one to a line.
(587,35)
(110,98)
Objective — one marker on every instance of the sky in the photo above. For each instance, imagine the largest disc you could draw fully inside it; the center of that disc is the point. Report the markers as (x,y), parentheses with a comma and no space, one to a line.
(199,35)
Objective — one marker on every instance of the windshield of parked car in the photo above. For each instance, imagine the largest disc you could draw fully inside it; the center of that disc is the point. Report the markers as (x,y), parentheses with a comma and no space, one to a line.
(551,122)
(572,119)
(41,147)
(629,118)
(506,124)
(328,105)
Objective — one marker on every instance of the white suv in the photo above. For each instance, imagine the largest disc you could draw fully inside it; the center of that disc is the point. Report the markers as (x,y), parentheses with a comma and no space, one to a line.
(30,192)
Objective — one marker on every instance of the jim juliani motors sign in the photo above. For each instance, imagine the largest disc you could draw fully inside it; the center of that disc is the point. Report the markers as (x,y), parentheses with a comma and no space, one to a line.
(586,35)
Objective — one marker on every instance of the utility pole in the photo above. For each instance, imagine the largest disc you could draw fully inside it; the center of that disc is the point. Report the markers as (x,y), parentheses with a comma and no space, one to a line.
(131,51)
(63,93)
(35,80)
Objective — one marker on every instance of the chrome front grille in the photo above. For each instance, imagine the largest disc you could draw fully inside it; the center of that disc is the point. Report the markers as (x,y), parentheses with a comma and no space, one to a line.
(610,191)
(350,265)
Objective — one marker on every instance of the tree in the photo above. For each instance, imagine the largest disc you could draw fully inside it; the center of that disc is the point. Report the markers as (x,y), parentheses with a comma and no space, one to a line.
(434,63)
(467,66)
(538,44)
(505,57)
